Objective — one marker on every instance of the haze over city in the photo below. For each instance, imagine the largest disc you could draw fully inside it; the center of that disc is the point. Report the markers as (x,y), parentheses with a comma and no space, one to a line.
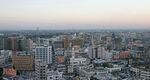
(74,14)
(74,39)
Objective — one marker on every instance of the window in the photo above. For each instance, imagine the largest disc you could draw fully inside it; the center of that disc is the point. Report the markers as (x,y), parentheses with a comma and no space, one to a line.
(56,77)
(50,78)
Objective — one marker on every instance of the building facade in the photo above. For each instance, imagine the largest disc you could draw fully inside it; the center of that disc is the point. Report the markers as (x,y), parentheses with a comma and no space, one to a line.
(44,53)
(23,61)
(54,75)
(97,52)
(40,70)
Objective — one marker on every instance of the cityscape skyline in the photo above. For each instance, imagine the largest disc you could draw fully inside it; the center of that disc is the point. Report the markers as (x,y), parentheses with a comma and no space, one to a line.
(78,14)
(74,40)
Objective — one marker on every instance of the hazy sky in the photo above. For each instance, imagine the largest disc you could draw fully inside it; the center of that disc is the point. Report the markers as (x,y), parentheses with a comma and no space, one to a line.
(74,14)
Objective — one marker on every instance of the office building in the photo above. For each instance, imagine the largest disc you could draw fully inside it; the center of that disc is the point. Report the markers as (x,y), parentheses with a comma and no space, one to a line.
(43,53)
(22,44)
(66,42)
(29,44)
(58,44)
(13,43)
(97,52)
(23,61)
(40,70)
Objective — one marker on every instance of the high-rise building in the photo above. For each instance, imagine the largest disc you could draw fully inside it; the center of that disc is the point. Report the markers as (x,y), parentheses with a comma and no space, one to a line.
(66,42)
(10,43)
(13,43)
(7,43)
(58,44)
(29,44)
(40,70)
(117,43)
(97,52)
(43,53)
(22,44)
(1,43)
(23,61)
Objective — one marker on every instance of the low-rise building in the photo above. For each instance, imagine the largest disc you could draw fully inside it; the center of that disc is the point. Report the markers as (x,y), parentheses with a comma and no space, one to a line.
(8,70)
(5,55)
(141,72)
(54,75)
(75,61)
(78,61)
(145,74)
(59,56)
(9,73)
(61,67)
(98,73)
(114,68)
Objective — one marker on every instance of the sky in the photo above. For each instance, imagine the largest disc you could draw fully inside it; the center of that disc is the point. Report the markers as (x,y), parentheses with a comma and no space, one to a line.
(74,14)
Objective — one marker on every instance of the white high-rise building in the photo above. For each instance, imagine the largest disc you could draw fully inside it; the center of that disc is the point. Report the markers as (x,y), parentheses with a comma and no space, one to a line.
(43,53)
